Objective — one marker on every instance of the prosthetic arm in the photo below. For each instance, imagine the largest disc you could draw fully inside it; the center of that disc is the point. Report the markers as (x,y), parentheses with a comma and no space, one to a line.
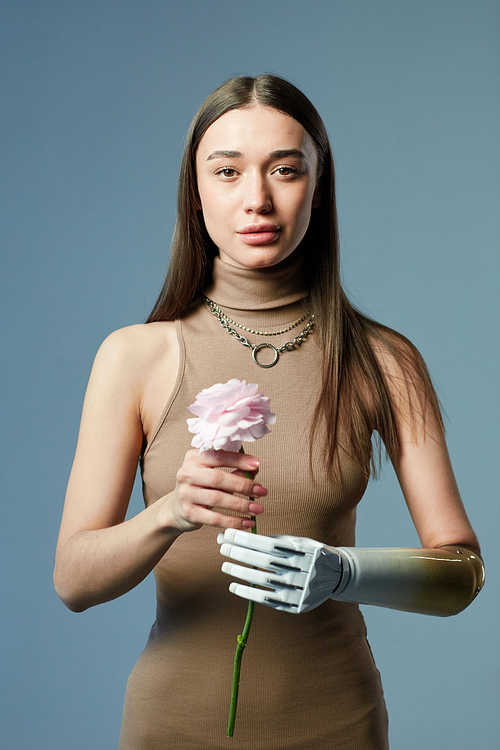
(298,574)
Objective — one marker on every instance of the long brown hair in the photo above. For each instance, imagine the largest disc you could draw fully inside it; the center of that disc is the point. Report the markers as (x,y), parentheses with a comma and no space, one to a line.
(355,399)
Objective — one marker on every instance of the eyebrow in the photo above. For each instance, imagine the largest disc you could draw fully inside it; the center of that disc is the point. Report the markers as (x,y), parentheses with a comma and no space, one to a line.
(280,154)
(283,154)
(225,154)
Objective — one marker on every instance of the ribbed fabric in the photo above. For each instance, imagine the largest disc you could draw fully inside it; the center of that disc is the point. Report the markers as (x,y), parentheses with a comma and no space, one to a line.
(307,681)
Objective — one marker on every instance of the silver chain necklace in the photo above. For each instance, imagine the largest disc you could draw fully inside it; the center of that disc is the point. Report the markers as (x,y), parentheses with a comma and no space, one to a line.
(258,333)
(288,347)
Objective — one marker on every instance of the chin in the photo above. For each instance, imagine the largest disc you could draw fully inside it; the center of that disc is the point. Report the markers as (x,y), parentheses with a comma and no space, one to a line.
(256,258)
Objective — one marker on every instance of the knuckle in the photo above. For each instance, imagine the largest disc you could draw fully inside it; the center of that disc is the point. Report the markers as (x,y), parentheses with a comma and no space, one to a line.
(216,479)
(182,475)
(234,522)
(190,514)
(211,497)
(240,504)
(183,493)
(244,487)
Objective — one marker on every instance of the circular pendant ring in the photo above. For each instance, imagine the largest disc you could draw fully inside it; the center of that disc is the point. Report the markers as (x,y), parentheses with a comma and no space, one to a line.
(264,346)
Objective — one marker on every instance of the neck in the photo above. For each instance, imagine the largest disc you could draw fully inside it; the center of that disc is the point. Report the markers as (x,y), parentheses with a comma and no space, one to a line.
(257,289)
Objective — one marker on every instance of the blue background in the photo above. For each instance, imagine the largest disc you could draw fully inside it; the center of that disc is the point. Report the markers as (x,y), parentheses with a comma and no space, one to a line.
(97,98)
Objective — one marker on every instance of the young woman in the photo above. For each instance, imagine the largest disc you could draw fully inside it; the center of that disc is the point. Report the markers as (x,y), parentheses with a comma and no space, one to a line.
(254,265)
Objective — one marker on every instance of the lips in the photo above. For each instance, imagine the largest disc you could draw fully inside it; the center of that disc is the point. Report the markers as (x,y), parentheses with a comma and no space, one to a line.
(260,234)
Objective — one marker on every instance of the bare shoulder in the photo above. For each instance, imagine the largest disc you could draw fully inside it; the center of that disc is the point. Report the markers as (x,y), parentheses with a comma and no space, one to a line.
(140,362)
(147,358)
(400,361)
(394,352)
(135,350)
(140,344)
(407,379)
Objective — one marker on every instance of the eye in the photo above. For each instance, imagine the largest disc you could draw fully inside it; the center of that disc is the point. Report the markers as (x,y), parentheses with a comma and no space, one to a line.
(286,171)
(226,172)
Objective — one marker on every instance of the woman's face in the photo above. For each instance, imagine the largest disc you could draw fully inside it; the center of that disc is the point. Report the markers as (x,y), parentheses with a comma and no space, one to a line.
(256,170)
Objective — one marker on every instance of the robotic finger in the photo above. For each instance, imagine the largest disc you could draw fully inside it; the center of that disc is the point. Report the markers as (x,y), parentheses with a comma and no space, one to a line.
(280,546)
(274,579)
(287,600)
(265,560)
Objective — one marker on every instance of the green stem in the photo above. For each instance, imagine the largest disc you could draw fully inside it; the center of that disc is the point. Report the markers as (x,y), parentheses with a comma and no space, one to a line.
(242,642)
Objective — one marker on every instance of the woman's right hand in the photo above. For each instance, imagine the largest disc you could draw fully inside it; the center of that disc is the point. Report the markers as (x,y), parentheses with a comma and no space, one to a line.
(204,489)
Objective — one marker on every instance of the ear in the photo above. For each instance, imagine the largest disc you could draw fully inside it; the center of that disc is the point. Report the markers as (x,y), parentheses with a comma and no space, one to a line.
(316,198)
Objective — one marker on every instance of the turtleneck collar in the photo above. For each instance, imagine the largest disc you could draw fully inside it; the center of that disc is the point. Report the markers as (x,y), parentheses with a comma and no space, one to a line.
(257,289)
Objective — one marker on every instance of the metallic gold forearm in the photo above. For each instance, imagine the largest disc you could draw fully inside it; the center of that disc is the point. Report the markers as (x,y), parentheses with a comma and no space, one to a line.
(442,581)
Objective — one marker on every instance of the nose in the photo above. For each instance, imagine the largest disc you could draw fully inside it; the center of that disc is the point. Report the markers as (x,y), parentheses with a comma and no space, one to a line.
(257,195)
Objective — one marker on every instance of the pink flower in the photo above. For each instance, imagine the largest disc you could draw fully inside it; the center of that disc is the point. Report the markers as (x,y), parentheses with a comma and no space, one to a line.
(229,414)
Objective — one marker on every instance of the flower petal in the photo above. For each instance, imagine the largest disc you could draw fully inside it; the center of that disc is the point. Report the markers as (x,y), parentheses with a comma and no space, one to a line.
(228,414)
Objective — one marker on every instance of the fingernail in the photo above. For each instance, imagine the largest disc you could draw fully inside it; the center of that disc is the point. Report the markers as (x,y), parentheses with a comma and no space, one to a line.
(258,490)
(256,508)
(254,462)
(248,524)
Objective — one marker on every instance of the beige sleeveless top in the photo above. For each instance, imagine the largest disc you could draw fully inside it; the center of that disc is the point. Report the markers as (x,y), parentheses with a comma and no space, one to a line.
(308,681)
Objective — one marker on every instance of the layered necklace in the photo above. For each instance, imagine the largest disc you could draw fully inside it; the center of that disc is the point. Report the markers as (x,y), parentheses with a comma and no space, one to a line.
(227,323)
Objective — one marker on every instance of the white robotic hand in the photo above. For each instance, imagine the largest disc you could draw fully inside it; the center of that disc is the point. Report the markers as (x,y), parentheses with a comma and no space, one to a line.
(298,573)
